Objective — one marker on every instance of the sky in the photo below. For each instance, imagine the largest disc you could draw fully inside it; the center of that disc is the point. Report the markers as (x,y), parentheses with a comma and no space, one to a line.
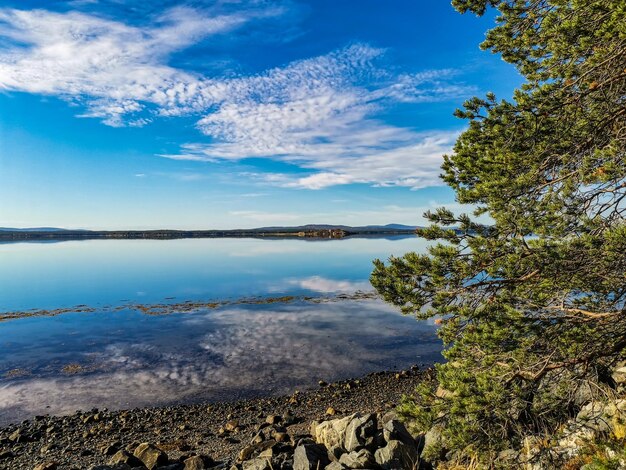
(200,114)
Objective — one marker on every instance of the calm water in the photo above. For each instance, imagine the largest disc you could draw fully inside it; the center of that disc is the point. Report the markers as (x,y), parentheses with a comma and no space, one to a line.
(118,357)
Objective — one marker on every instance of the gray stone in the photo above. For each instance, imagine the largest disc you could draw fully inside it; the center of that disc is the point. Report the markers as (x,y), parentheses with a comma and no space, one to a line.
(335,453)
(257,464)
(394,430)
(358,459)
(619,373)
(151,456)
(310,457)
(592,417)
(331,433)
(360,432)
(397,454)
(434,445)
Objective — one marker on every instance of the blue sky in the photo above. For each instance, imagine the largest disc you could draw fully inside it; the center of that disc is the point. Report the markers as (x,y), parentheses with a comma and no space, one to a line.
(232,113)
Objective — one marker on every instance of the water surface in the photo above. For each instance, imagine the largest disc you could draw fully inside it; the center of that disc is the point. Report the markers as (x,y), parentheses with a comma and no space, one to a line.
(116,356)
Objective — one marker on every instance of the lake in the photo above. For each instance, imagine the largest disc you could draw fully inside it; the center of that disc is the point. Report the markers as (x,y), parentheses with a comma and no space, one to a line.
(122,324)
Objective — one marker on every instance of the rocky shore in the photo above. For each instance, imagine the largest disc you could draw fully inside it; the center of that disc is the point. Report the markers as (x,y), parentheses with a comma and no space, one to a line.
(288,432)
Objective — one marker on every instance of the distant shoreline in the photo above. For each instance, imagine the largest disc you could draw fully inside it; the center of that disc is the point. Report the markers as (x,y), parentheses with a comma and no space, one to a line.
(287,232)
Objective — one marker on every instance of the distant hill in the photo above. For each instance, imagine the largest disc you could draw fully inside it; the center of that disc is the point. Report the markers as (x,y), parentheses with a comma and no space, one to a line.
(33,229)
(312,231)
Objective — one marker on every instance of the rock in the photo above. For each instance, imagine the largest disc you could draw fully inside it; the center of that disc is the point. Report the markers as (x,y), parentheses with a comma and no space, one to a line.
(361,459)
(258,438)
(196,463)
(397,454)
(281,437)
(619,373)
(395,430)
(273,419)
(434,446)
(151,456)
(125,457)
(19,436)
(254,450)
(593,418)
(109,449)
(335,453)
(119,466)
(359,432)
(46,466)
(257,464)
(289,419)
(336,466)
(173,466)
(331,433)
(231,425)
(310,457)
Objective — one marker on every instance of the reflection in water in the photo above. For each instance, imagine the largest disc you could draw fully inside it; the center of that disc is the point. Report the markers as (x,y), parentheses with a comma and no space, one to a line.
(112,354)
(129,359)
(326,286)
(116,272)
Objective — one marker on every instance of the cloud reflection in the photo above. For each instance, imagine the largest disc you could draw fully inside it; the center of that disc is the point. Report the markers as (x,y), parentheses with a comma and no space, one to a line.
(223,354)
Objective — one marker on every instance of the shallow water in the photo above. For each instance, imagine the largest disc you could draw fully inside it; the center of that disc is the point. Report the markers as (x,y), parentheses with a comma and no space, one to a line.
(116,356)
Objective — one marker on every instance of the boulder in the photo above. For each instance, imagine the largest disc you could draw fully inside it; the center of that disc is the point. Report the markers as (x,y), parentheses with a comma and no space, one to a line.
(397,454)
(394,430)
(358,459)
(331,433)
(335,453)
(360,432)
(434,445)
(257,464)
(253,450)
(619,373)
(195,462)
(310,457)
(125,457)
(336,466)
(151,456)
(592,418)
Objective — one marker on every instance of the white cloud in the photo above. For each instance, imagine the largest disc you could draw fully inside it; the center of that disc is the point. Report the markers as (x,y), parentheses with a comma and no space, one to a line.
(319,114)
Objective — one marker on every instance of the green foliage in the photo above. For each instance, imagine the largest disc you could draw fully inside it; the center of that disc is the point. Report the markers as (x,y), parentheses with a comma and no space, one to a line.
(532,307)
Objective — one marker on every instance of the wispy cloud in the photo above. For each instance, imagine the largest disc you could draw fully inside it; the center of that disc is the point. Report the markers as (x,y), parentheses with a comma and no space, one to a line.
(320,114)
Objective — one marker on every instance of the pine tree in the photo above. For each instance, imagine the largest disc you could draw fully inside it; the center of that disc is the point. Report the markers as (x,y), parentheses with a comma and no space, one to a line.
(532,306)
